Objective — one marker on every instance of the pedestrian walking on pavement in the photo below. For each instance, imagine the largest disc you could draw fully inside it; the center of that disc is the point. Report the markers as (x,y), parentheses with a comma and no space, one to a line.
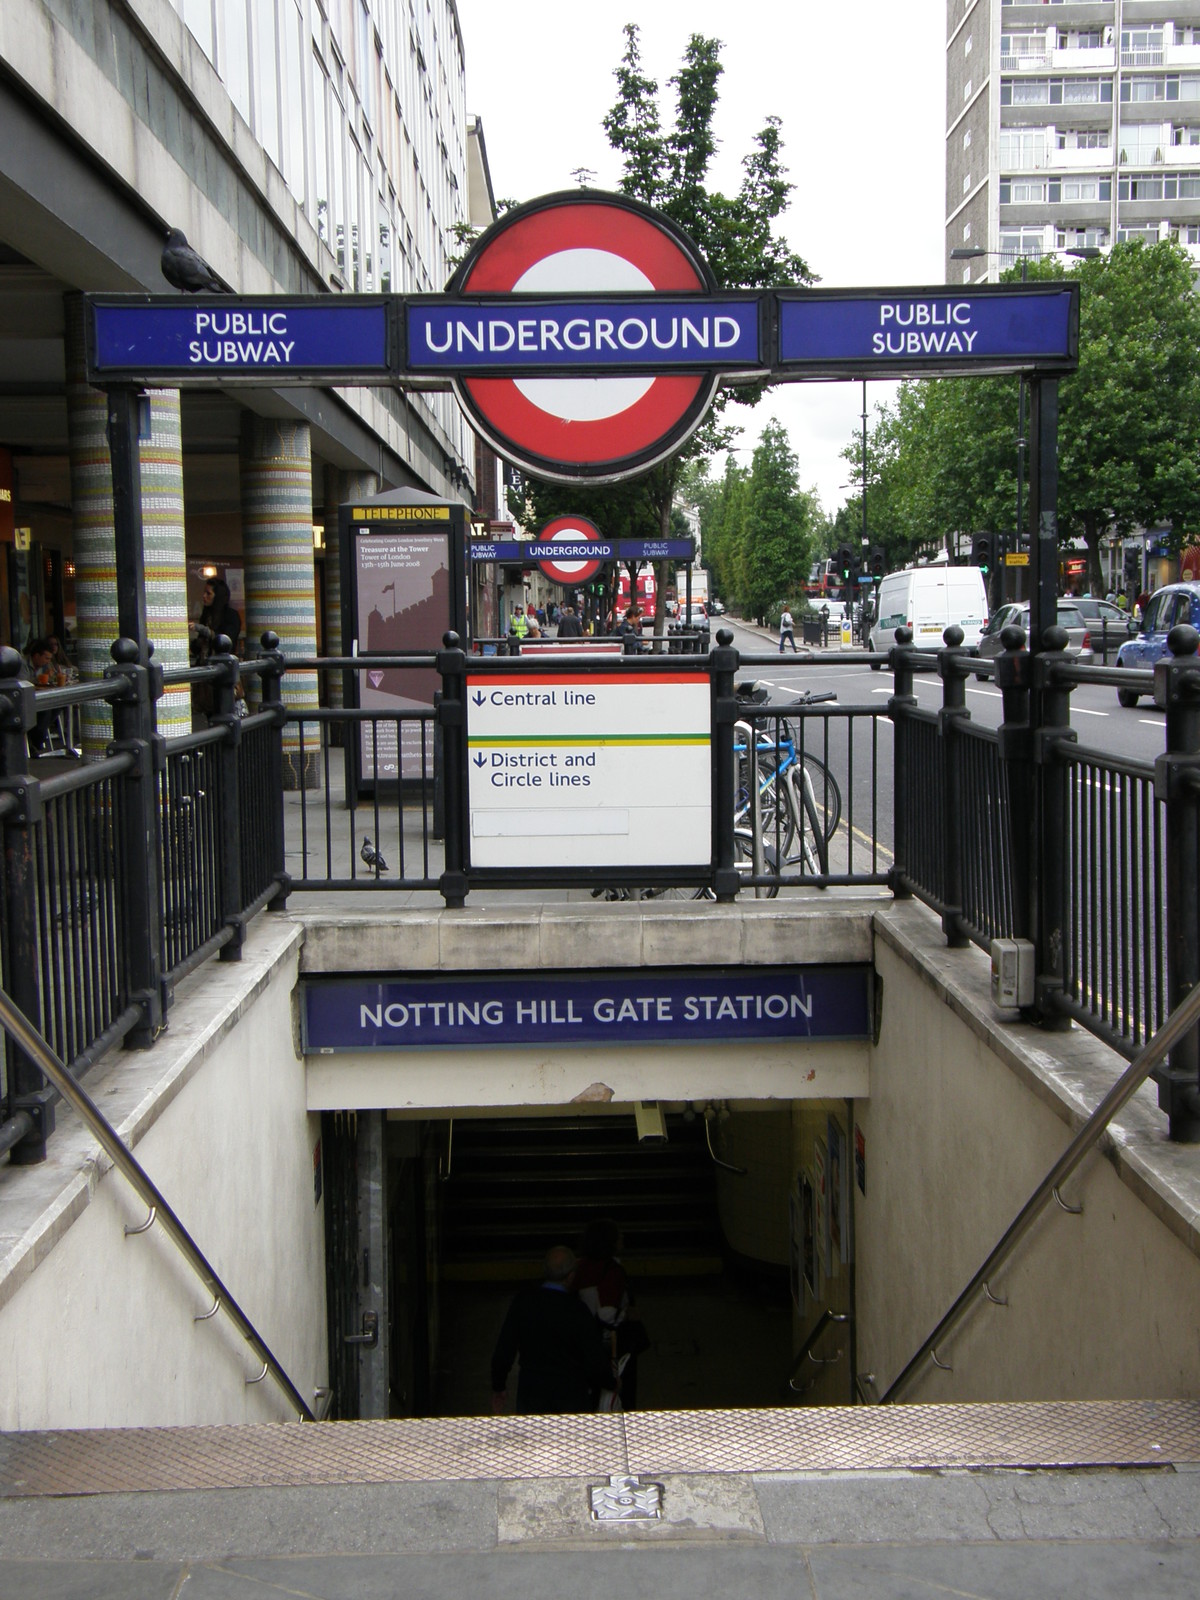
(787,631)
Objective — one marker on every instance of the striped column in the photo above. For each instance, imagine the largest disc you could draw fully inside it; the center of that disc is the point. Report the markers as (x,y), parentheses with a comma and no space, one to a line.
(95,540)
(340,489)
(277,548)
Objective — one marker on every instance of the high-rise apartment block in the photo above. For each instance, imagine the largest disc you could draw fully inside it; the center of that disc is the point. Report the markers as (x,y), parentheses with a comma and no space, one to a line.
(1070,124)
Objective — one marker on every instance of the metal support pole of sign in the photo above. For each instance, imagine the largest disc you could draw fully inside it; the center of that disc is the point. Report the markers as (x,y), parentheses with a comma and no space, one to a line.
(124,429)
(953,714)
(1177,691)
(1043,505)
(451,716)
(137,838)
(722,666)
(902,701)
(271,682)
(228,755)
(28,1092)
(1016,764)
(1052,870)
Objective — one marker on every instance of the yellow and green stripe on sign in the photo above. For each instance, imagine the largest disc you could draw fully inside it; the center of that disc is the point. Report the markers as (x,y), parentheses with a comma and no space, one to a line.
(509,741)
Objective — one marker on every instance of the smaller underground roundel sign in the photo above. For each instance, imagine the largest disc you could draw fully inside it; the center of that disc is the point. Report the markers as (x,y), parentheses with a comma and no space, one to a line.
(597,429)
(574,534)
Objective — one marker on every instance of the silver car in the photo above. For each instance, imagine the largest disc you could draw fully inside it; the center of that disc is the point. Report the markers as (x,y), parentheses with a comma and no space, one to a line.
(1079,639)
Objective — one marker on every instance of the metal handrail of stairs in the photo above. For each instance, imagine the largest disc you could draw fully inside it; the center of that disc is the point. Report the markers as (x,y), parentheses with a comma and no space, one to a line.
(1185,1017)
(27,1038)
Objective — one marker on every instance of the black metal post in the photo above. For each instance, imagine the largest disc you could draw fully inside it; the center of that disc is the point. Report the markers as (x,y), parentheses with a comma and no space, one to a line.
(451,716)
(1052,730)
(138,842)
(1016,759)
(271,684)
(723,665)
(1176,775)
(1043,505)
(229,810)
(952,715)
(124,415)
(902,701)
(28,1091)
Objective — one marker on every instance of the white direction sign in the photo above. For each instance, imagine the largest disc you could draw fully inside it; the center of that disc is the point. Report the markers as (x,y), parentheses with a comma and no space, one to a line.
(608,769)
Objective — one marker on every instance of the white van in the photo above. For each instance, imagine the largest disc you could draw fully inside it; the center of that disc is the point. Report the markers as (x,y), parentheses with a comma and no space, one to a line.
(928,600)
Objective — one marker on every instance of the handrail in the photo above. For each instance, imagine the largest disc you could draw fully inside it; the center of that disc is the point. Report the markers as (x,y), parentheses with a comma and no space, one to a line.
(822,1322)
(27,1038)
(1181,1021)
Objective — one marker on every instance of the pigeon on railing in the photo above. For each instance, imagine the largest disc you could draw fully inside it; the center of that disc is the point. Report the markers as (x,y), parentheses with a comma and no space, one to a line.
(184,268)
(372,857)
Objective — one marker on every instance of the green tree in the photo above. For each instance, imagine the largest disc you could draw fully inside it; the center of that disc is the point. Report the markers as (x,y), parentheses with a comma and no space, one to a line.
(775,542)
(1128,427)
(667,167)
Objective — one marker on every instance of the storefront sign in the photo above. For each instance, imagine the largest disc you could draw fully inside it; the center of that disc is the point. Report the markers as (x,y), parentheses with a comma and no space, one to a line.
(675,1006)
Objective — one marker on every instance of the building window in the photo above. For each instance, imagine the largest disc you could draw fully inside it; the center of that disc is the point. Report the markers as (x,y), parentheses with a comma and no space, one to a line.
(1018,242)
(1080,238)
(1080,39)
(1022,148)
(1174,86)
(967,140)
(1082,139)
(1141,47)
(966,232)
(1185,136)
(1159,186)
(967,90)
(1056,91)
(1141,142)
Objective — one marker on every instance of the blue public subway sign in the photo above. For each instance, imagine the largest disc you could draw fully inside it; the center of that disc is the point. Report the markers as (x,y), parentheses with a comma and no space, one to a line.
(209,339)
(583,335)
(902,332)
(674,1006)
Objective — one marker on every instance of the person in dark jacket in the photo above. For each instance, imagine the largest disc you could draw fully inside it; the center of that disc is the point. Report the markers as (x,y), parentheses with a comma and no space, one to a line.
(564,1363)
(217,616)
(569,626)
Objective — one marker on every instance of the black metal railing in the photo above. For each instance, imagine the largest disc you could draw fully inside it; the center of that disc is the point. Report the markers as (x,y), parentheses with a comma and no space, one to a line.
(126,870)
(124,873)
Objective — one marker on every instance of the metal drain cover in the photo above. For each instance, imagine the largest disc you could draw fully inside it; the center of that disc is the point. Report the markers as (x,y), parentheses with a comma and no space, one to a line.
(626,1500)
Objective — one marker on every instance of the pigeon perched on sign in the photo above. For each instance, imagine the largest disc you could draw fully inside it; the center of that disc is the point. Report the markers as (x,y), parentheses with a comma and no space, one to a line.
(372,857)
(184,268)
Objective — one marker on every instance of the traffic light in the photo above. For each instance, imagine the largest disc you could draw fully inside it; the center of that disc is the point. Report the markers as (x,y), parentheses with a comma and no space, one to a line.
(982,552)
(878,562)
(846,562)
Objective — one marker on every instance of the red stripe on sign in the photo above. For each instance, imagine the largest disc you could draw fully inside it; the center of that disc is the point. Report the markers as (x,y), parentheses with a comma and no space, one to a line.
(582,227)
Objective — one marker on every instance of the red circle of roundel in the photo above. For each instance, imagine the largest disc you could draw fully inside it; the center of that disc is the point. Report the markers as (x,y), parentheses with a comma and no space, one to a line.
(574,428)
(578,530)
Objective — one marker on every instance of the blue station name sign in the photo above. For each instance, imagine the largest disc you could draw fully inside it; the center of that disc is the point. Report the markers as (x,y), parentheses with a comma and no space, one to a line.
(206,338)
(659,333)
(527,550)
(433,341)
(828,333)
(676,1006)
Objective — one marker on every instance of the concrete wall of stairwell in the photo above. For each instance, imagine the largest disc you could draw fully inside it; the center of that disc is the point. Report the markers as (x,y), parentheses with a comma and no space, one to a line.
(96,1329)
(967,1114)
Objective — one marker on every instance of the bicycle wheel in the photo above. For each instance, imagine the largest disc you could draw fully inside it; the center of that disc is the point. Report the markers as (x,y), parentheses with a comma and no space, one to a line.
(813,850)
(774,812)
(826,796)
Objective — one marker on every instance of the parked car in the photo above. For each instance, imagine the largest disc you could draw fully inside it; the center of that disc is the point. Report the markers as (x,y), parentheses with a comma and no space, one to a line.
(1079,639)
(1167,607)
(1108,625)
(928,600)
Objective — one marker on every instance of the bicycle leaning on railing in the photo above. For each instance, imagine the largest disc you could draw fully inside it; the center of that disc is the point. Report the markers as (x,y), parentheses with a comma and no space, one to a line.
(786,795)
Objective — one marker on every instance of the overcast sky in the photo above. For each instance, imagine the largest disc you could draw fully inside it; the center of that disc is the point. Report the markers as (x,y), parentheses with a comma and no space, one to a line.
(860,91)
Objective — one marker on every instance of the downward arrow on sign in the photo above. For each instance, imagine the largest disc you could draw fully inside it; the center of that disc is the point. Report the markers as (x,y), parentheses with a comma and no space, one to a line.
(376,678)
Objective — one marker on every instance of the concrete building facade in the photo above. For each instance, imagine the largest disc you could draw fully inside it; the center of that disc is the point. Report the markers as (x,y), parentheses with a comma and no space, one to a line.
(303,146)
(1069,125)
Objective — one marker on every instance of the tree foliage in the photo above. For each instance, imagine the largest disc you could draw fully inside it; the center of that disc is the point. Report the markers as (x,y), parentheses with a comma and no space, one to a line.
(1128,427)
(667,165)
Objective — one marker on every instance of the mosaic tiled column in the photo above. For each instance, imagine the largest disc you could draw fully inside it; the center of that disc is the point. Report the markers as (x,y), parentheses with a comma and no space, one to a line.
(340,489)
(95,544)
(277,549)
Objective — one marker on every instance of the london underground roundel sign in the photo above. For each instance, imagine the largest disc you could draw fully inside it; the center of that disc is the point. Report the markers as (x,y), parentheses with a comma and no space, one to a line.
(571,533)
(582,427)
